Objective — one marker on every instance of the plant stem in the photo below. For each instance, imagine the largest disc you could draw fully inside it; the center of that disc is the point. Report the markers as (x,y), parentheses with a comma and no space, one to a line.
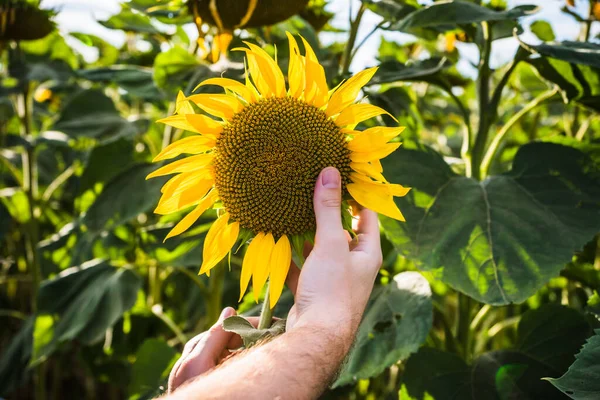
(354,25)
(584,128)
(168,132)
(13,314)
(483,86)
(495,145)
(214,301)
(465,150)
(364,40)
(266,313)
(521,55)
(158,311)
(463,332)
(586,29)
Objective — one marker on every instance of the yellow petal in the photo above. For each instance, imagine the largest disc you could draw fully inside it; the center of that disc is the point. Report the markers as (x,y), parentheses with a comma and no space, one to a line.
(368,169)
(179,122)
(236,87)
(280,265)
(250,259)
(357,113)
(316,92)
(296,72)
(375,197)
(260,81)
(253,91)
(261,266)
(205,125)
(220,105)
(189,145)
(218,242)
(193,216)
(188,192)
(270,70)
(185,165)
(182,106)
(373,138)
(375,154)
(348,92)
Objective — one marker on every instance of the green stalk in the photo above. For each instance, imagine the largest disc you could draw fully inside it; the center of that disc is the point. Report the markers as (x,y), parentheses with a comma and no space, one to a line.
(495,145)
(463,331)
(483,86)
(465,150)
(266,313)
(214,301)
(30,186)
(354,25)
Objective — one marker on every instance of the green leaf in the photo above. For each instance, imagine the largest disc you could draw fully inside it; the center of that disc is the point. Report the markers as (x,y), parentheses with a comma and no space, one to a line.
(91,113)
(107,53)
(87,301)
(396,323)
(251,335)
(433,374)
(394,71)
(97,170)
(502,239)
(543,30)
(153,362)
(125,197)
(582,380)
(137,81)
(128,20)
(53,47)
(593,305)
(543,346)
(580,83)
(15,357)
(175,66)
(572,52)
(458,12)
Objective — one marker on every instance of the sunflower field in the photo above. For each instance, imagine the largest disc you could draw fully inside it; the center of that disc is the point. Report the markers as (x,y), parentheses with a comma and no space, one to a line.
(471,126)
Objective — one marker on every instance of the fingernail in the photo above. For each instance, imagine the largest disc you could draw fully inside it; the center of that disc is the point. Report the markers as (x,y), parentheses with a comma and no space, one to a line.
(331,178)
(227,312)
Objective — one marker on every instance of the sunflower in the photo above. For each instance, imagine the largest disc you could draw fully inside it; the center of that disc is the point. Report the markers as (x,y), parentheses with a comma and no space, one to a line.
(257,159)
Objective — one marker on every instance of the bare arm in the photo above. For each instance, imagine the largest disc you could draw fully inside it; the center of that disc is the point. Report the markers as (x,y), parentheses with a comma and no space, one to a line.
(330,296)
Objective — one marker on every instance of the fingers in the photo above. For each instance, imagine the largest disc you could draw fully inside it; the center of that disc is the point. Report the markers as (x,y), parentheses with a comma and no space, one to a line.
(368,230)
(327,205)
(369,240)
(202,352)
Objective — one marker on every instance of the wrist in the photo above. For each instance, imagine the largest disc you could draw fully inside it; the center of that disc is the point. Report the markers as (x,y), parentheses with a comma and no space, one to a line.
(326,325)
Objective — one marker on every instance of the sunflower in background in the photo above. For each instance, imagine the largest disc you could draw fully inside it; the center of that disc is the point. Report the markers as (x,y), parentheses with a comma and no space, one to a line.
(258,161)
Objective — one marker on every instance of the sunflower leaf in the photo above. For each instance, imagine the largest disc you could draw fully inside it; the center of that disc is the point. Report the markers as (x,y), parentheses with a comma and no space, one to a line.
(249,334)
(501,239)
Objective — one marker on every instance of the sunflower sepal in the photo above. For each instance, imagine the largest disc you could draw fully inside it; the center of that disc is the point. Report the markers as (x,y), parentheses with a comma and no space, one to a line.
(243,238)
(249,334)
(297,242)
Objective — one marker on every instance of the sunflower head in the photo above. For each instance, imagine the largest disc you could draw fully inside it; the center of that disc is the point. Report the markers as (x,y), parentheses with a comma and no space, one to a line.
(20,20)
(256,152)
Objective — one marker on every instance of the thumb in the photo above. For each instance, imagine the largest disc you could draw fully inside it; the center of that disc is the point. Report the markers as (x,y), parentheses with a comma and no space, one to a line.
(327,204)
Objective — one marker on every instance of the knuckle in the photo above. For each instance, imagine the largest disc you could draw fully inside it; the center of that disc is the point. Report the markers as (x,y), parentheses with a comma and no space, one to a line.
(332,202)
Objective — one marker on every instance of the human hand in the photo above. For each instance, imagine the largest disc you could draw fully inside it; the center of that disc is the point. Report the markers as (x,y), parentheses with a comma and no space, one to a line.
(205,351)
(337,278)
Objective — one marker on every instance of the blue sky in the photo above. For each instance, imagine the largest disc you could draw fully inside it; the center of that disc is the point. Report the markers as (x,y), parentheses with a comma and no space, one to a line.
(81,16)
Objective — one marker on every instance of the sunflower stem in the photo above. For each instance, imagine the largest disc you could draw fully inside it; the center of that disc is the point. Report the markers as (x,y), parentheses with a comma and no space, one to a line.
(354,25)
(266,313)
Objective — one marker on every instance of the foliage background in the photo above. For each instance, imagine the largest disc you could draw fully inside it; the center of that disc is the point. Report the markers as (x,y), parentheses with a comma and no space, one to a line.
(487,292)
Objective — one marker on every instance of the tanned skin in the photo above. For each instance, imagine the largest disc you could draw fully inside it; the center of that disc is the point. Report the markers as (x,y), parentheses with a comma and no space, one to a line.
(330,295)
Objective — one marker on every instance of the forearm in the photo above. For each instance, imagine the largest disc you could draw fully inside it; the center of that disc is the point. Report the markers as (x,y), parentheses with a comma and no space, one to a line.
(296,365)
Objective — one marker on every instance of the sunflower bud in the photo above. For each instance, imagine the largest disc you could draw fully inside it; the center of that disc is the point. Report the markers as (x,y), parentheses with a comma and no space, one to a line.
(23,21)
(232,14)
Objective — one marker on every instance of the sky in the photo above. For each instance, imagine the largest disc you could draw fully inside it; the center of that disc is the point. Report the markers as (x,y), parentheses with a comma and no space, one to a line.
(81,16)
